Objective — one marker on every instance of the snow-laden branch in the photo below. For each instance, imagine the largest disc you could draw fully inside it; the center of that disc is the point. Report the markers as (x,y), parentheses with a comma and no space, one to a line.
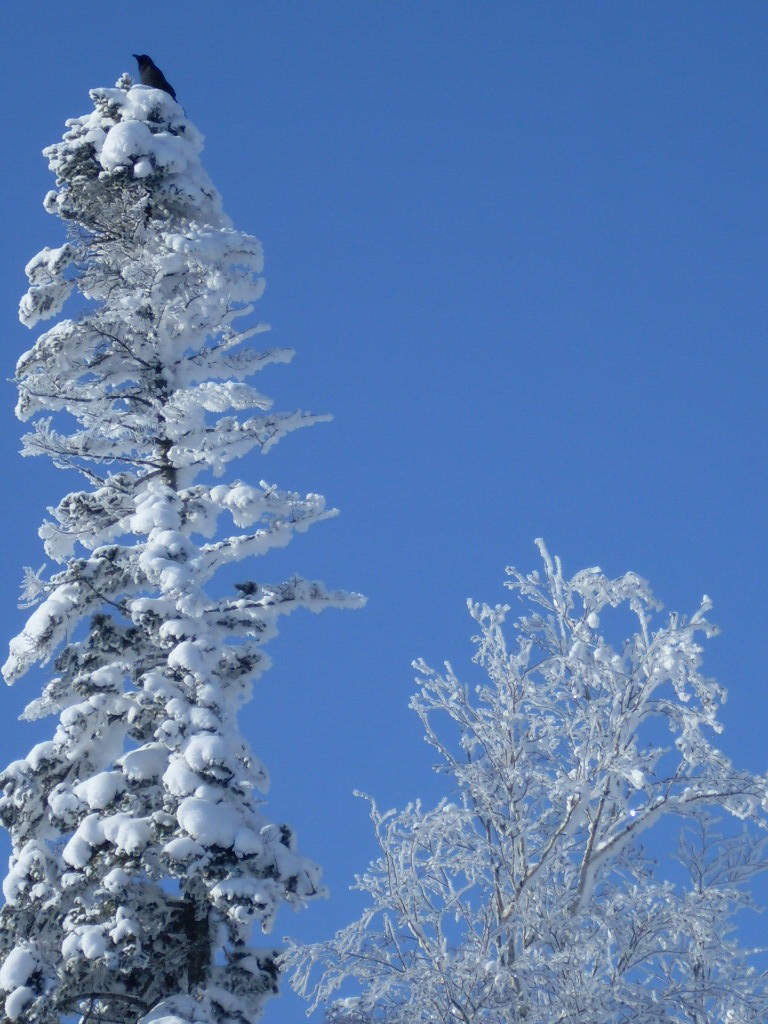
(533,892)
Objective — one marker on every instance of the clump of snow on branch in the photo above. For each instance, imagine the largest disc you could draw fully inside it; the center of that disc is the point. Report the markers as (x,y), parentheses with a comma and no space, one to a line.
(533,892)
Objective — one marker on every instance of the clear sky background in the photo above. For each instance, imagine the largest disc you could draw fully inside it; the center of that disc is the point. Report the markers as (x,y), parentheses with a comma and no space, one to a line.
(520,249)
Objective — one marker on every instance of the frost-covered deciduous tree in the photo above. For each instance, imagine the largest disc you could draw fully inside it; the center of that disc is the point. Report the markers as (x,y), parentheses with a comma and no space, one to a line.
(141,854)
(533,895)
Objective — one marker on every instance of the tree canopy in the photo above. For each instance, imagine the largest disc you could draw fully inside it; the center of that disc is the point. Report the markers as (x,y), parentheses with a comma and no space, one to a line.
(595,849)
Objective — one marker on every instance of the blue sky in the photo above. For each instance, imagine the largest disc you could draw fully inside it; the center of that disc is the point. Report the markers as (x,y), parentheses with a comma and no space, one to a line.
(520,251)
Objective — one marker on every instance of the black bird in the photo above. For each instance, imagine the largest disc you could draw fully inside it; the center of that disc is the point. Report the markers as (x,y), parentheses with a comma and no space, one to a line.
(152,75)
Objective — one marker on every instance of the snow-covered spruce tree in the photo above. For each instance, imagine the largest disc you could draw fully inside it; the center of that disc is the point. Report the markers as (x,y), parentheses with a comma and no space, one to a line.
(533,896)
(141,856)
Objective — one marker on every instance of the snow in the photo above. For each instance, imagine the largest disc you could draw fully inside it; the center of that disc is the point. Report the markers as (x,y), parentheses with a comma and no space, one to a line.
(580,651)
(132,142)
(179,779)
(49,289)
(63,802)
(212,824)
(127,834)
(156,508)
(166,1018)
(241,889)
(183,849)
(29,860)
(100,790)
(16,969)
(44,630)
(178,1010)
(164,556)
(93,942)
(247,842)
(147,762)
(203,718)
(636,778)
(90,940)
(116,880)
(126,926)
(108,677)
(17,1002)
(190,657)
(77,852)
(142,168)
(206,750)
(123,143)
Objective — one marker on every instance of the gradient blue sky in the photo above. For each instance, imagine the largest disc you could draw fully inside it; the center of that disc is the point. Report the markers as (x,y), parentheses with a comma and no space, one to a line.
(520,249)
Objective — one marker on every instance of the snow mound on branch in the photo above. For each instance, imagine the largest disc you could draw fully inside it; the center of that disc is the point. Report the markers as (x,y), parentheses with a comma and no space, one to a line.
(145,132)
(178,1010)
(127,834)
(49,289)
(212,824)
(16,969)
(148,762)
(46,625)
(90,940)
(100,790)
(132,143)
(18,1001)
(15,972)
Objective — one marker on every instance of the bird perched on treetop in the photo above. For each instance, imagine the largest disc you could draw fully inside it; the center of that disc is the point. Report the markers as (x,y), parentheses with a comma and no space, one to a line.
(152,75)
